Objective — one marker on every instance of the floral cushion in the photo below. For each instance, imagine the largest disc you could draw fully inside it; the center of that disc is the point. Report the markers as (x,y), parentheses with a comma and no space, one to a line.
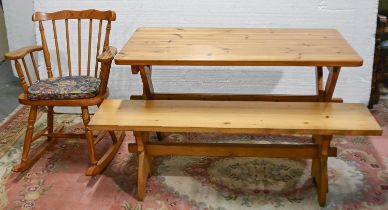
(64,88)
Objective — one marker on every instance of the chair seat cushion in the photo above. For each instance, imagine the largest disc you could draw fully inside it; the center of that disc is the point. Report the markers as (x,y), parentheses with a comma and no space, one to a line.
(76,87)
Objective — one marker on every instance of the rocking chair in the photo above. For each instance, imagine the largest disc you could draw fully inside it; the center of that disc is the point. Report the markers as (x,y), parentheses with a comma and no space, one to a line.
(80,88)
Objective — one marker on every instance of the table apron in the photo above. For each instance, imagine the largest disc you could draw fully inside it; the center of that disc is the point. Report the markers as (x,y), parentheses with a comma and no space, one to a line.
(324,93)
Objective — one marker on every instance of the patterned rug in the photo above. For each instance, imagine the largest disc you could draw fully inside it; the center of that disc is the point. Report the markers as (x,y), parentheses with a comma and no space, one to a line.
(358,177)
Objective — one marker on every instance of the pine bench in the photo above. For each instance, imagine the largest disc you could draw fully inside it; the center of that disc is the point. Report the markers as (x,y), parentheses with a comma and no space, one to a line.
(321,120)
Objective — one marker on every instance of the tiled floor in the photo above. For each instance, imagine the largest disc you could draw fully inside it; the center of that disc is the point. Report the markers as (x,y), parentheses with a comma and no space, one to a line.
(9,90)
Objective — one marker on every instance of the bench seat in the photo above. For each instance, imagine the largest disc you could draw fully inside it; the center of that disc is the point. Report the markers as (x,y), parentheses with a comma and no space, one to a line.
(236,117)
(321,120)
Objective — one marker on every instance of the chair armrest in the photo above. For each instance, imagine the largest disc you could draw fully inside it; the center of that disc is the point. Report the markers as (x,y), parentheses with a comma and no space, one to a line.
(20,53)
(107,55)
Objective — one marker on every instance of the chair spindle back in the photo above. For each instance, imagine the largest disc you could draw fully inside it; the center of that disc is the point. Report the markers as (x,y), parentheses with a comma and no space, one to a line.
(66,15)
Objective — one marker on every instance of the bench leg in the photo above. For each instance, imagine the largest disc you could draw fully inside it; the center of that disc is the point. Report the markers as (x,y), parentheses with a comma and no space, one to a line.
(113,136)
(315,162)
(144,167)
(321,173)
(143,173)
(159,136)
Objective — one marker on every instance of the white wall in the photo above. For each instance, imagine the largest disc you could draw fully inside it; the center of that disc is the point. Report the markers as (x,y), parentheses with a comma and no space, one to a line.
(355,19)
(3,37)
(20,28)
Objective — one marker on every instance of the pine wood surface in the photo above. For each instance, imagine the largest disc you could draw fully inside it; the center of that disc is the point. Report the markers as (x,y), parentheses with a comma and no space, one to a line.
(72,14)
(235,117)
(20,53)
(238,47)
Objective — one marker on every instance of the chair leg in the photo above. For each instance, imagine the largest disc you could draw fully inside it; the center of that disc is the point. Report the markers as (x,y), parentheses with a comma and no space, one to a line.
(97,165)
(50,121)
(89,135)
(27,162)
(27,141)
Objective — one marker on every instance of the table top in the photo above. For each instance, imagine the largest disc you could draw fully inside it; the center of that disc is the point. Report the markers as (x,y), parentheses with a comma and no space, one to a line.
(235,117)
(237,47)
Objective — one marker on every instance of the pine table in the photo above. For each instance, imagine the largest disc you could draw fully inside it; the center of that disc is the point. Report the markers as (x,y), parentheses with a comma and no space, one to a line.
(238,47)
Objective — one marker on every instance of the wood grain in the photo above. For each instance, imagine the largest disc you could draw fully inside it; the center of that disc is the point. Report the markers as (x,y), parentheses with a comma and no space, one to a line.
(232,150)
(90,44)
(98,47)
(319,82)
(79,47)
(68,47)
(37,75)
(236,117)
(238,47)
(233,97)
(57,48)
(46,53)
(27,71)
(107,55)
(331,82)
(71,14)
(19,71)
(20,53)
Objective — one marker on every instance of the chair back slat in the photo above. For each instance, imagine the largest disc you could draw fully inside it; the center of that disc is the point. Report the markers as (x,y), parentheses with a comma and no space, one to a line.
(21,76)
(35,66)
(79,47)
(27,71)
(70,14)
(57,48)
(106,42)
(68,46)
(98,48)
(82,39)
(90,44)
(45,49)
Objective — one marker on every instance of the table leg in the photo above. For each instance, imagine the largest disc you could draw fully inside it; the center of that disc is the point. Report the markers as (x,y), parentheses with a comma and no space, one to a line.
(331,82)
(319,165)
(148,88)
(320,91)
(145,74)
(325,94)
(319,82)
